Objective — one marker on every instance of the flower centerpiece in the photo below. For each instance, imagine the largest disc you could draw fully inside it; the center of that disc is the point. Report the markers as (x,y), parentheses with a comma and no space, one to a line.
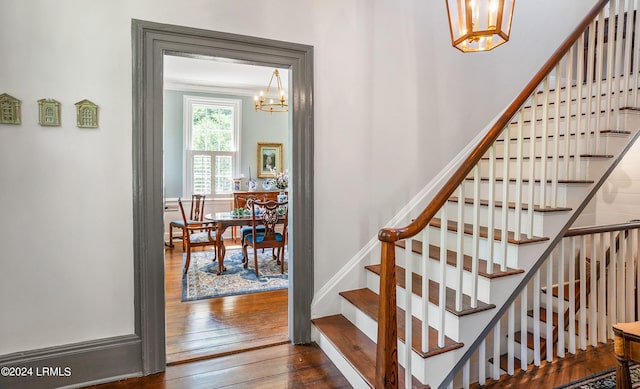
(282,179)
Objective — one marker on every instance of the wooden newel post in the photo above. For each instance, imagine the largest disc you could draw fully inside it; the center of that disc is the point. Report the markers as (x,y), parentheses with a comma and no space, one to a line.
(387,352)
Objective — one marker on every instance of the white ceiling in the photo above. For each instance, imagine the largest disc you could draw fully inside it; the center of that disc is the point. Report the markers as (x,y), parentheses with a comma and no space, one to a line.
(220,74)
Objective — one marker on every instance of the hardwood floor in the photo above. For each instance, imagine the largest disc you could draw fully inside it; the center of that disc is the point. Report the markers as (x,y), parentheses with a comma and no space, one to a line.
(219,326)
(283,366)
(563,371)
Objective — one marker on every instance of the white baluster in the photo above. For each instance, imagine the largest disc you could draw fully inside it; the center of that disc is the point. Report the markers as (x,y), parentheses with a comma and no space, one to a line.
(612,61)
(580,121)
(568,121)
(536,319)
(476,237)
(443,275)
(511,324)
(631,313)
(482,360)
(496,351)
(549,309)
(465,375)
(622,269)
(505,201)
(614,99)
(602,287)
(523,327)
(556,133)
(593,290)
(582,319)
(531,175)
(598,75)
(613,314)
(491,208)
(572,296)
(545,139)
(628,54)
(460,247)
(560,267)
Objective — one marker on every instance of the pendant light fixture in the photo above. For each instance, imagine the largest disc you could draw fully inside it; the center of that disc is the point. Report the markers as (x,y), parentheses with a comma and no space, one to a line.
(279,105)
(479,25)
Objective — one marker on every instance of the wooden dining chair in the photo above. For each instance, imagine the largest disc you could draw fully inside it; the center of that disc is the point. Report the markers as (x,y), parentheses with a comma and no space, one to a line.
(196,215)
(197,235)
(244,201)
(267,214)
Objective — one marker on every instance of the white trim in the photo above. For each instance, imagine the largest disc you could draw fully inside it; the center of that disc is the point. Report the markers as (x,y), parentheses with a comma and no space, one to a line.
(182,86)
(326,300)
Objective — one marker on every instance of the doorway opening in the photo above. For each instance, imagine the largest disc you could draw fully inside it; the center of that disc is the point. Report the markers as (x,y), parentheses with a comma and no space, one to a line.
(213,142)
(151,41)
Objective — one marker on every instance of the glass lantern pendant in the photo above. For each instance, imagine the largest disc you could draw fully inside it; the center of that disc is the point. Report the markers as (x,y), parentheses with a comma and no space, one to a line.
(479,25)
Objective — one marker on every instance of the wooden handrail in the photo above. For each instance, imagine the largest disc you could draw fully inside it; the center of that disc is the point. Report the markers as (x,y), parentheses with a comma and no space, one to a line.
(396,234)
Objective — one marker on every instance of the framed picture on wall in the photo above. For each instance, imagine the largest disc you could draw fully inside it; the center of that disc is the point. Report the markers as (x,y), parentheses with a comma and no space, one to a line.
(269,157)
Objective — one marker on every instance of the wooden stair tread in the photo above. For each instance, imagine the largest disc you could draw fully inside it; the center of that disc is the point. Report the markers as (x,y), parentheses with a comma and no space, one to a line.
(518,338)
(613,132)
(551,157)
(356,348)
(543,316)
(452,225)
(536,180)
(511,205)
(452,260)
(368,302)
(555,290)
(450,304)
(504,362)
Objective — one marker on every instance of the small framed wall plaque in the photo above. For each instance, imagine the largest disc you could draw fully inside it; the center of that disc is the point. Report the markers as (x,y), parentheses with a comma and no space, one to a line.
(87,114)
(49,112)
(9,110)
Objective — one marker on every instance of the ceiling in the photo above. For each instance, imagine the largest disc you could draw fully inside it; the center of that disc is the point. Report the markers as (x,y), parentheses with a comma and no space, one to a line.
(218,74)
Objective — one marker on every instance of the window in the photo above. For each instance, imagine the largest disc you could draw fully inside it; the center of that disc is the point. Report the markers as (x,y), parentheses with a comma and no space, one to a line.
(212,132)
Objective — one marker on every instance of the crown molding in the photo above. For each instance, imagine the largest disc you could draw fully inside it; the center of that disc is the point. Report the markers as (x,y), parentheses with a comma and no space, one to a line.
(218,89)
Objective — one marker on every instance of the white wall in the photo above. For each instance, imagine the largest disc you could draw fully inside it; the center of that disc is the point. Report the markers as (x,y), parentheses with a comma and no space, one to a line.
(618,200)
(393,103)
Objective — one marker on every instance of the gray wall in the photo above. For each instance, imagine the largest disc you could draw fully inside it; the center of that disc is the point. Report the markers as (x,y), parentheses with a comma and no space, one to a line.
(256,127)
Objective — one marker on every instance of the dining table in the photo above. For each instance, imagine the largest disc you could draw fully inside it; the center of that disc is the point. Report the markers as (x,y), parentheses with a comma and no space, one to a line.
(224,220)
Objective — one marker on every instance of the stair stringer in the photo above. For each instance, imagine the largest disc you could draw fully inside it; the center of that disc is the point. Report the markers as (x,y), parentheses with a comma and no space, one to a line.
(537,258)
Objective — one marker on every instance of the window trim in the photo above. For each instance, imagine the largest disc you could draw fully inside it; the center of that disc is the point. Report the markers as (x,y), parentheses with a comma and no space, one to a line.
(188,101)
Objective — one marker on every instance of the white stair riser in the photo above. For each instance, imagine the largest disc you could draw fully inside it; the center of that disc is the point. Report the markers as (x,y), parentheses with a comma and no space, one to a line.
(346,368)
(433,271)
(538,217)
(613,143)
(451,320)
(564,171)
(566,193)
(369,327)
(513,250)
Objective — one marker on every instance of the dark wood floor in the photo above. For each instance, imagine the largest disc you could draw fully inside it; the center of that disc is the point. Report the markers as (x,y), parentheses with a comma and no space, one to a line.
(283,366)
(562,371)
(219,326)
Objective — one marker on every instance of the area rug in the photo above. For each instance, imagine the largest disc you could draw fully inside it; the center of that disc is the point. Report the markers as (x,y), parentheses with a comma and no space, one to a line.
(604,380)
(201,281)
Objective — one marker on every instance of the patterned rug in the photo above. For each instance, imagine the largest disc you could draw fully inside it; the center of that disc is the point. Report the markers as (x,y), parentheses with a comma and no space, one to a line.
(201,281)
(604,380)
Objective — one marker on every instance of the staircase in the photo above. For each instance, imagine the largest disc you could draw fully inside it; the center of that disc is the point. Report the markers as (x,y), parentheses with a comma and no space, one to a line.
(446,277)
